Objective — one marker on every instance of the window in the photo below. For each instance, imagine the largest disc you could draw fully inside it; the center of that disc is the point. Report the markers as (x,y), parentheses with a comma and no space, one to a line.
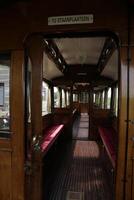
(116,101)
(68,98)
(103,99)
(75,97)
(84,97)
(56,97)
(46,99)
(109,93)
(28,110)
(4,93)
(63,99)
(98,99)
(94,98)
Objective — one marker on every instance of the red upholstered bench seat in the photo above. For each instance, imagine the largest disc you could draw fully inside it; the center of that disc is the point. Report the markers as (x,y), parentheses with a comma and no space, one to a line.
(50,136)
(109,139)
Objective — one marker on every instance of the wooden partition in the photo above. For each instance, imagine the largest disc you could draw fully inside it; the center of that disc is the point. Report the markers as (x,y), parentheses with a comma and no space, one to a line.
(12,149)
(123,98)
(99,117)
(5,169)
(62,115)
(47,121)
(129,191)
(84,107)
(35,53)
(67,117)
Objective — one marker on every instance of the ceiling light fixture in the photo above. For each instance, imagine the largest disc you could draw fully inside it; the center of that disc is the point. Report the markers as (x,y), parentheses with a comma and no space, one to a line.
(107,51)
(46,42)
(53,52)
(59,60)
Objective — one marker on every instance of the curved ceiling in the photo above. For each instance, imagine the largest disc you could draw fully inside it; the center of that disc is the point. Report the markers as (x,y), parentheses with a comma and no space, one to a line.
(80,50)
(111,68)
(81,59)
(50,70)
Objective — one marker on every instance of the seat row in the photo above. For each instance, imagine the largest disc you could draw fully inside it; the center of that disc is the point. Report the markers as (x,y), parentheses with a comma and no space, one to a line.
(109,139)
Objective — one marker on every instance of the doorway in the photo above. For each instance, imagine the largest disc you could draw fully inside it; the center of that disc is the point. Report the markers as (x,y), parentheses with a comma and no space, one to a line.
(70,72)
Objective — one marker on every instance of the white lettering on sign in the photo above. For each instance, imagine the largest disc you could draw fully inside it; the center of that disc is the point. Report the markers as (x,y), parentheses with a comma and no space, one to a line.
(70,19)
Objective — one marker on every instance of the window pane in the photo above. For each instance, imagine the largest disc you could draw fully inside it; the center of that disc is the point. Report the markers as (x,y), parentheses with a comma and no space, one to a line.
(29,66)
(116,101)
(94,98)
(84,97)
(4,93)
(68,98)
(46,99)
(103,98)
(56,97)
(75,97)
(109,98)
(63,99)
(98,99)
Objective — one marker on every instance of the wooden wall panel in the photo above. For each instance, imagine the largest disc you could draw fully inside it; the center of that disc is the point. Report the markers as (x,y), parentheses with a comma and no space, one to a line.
(130,147)
(133,173)
(5,175)
(35,52)
(122,125)
(17,123)
(24,18)
(84,107)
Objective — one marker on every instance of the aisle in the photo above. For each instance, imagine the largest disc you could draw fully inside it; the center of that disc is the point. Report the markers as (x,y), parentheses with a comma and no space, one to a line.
(81,127)
(81,176)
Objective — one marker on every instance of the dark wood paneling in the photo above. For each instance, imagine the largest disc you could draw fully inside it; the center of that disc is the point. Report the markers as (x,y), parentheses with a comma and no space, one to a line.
(5,175)
(20,20)
(5,143)
(130,151)
(35,52)
(17,123)
(122,125)
(84,107)
(47,121)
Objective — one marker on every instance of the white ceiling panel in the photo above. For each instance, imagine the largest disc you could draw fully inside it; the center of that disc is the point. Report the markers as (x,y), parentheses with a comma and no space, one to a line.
(111,69)
(80,50)
(50,69)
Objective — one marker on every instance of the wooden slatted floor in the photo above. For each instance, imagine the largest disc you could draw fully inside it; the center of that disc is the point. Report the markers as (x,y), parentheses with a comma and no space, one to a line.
(83,173)
(80,174)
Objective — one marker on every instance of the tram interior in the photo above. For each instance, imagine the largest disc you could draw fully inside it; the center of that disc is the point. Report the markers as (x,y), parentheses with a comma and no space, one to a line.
(83,72)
